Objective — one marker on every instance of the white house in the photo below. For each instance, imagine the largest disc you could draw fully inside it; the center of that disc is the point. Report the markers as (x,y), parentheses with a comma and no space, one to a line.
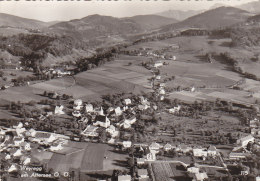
(201,176)
(155,146)
(44,137)
(18,153)
(8,157)
(27,161)
(18,141)
(27,147)
(151,156)
(158,64)
(175,109)
(127,144)
(167,147)
(127,101)
(89,108)
(200,152)
(12,168)
(193,169)
(212,150)
(59,110)
(90,131)
(140,161)
(118,111)
(78,102)
(162,91)
(56,148)
(245,140)
(192,89)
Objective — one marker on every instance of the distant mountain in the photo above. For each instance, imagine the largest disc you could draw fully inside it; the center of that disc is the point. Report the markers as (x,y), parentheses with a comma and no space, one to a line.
(94,26)
(217,5)
(253,7)
(215,18)
(7,20)
(178,14)
(150,22)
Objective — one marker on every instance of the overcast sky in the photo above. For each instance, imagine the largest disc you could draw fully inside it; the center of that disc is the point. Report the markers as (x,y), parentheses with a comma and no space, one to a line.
(63,11)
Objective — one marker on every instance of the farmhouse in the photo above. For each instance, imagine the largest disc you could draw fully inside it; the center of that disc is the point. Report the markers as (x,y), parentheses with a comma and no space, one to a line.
(158,64)
(118,111)
(44,137)
(56,148)
(18,153)
(151,156)
(174,110)
(12,168)
(193,169)
(90,131)
(140,161)
(245,140)
(201,176)
(27,161)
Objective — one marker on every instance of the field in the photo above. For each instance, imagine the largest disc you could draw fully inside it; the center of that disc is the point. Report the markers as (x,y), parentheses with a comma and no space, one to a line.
(114,77)
(166,171)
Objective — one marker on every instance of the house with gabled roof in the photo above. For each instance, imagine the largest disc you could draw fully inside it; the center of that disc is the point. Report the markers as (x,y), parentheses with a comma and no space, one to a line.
(89,108)
(90,131)
(201,176)
(59,110)
(199,152)
(18,141)
(155,146)
(127,101)
(102,121)
(212,150)
(167,147)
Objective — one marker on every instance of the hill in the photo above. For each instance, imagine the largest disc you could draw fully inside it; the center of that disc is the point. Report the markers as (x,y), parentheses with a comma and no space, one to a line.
(95,26)
(178,14)
(253,7)
(212,19)
(7,20)
(150,22)
(254,19)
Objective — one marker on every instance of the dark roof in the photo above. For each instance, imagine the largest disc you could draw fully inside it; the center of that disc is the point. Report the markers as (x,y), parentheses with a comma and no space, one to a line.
(100,118)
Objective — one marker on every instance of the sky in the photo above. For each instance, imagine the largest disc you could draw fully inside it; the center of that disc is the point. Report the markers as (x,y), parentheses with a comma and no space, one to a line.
(66,10)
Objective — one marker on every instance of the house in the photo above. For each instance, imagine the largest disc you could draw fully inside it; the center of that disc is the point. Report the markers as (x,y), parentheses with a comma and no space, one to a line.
(78,104)
(212,150)
(167,147)
(124,178)
(142,173)
(199,152)
(238,156)
(143,107)
(8,157)
(127,144)
(27,147)
(56,147)
(90,131)
(99,111)
(175,109)
(12,168)
(111,141)
(158,77)
(140,161)
(89,108)
(118,111)
(161,98)
(151,156)
(257,178)
(112,130)
(102,121)
(27,161)
(201,176)
(18,141)
(44,137)
(155,146)
(127,101)
(245,140)
(162,91)
(192,89)
(158,64)
(18,153)
(131,120)
(193,169)
(183,148)
(59,110)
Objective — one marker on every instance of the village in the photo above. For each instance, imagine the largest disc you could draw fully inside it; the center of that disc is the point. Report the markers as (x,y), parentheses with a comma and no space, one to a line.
(127,123)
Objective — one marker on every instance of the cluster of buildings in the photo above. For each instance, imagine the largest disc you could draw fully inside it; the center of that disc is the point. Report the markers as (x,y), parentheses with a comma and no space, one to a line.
(18,143)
